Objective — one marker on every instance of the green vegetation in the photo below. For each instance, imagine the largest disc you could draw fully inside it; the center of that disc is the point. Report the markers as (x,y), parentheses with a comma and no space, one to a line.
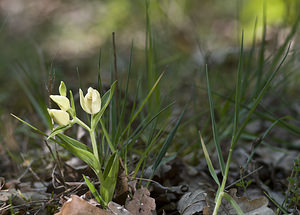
(161,89)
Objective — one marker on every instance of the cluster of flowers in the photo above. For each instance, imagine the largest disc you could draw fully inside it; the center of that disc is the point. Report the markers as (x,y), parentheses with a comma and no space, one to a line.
(90,103)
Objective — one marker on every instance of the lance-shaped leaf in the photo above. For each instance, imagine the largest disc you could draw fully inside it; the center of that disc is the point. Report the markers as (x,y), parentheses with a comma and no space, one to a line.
(233,203)
(94,191)
(110,176)
(77,148)
(208,161)
(58,130)
(167,143)
(62,89)
(72,110)
(214,127)
(105,101)
(81,151)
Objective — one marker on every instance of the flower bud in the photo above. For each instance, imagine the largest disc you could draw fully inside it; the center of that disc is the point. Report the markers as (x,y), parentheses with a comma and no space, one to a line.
(91,103)
(62,101)
(59,116)
(62,89)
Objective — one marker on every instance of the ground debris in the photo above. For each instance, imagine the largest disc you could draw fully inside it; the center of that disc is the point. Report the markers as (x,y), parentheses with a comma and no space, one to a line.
(141,203)
(257,206)
(77,206)
(192,202)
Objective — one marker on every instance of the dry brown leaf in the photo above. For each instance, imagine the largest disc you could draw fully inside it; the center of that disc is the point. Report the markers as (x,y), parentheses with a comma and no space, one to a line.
(118,209)
(192,202)
(77,206)
(279,159)
(142,203)
(4,196)
(258,206)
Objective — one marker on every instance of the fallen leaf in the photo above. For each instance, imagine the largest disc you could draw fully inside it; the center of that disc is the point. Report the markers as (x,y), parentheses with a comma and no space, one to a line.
(258,206)
(118,209)
(192,202)
(4,196)
(77,206)
(279,159)
(141,203)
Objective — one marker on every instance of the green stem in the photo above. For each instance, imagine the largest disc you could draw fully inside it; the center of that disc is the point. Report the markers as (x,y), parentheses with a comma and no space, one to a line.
(92,136)
(79,122)
(222,188)
(94,145)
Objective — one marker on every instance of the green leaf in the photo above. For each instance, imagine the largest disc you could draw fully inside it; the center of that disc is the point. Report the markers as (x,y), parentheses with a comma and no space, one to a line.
(233,204)
(94,191)
(58,130)
(110,176)
(31,126)
(124,100)
(62,89)
(110,144)
(81,151)
(73,110)
(75,147)
(74,142)
(105,100)
(277,204)
(214,128)
(208,162)
(257,100)
(238,93)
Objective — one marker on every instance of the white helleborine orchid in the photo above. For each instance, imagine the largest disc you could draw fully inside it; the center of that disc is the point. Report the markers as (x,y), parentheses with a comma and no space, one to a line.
(91,103)
(62,101)
(61,117)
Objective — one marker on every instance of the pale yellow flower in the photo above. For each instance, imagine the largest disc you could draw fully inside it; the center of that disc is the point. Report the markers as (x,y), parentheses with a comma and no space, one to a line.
(62,101)
(61,117)
(91,102)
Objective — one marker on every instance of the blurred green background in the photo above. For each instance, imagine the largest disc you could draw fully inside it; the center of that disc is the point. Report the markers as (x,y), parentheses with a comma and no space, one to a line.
(38,37)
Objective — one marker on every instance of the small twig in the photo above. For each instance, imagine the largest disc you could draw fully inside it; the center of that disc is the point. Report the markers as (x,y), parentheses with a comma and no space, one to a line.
(32,172)
(79,183)
(36,176)
(242,178)
(8,207)
(181,189)
(25,172)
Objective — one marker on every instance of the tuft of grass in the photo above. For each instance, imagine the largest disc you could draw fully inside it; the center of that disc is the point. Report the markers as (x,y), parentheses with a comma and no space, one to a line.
(242,113)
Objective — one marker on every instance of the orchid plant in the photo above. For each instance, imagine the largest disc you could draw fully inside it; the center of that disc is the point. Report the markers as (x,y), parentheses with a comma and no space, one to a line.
(65,117)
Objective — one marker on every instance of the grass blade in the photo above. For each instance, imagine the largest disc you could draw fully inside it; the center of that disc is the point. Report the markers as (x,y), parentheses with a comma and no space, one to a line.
(122,115)
(208,161)
(94,191)
(214,127)
(261,60)
(167,144)
(238,92)
(258,99)
(142,105)
(233,204)
(143,125)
